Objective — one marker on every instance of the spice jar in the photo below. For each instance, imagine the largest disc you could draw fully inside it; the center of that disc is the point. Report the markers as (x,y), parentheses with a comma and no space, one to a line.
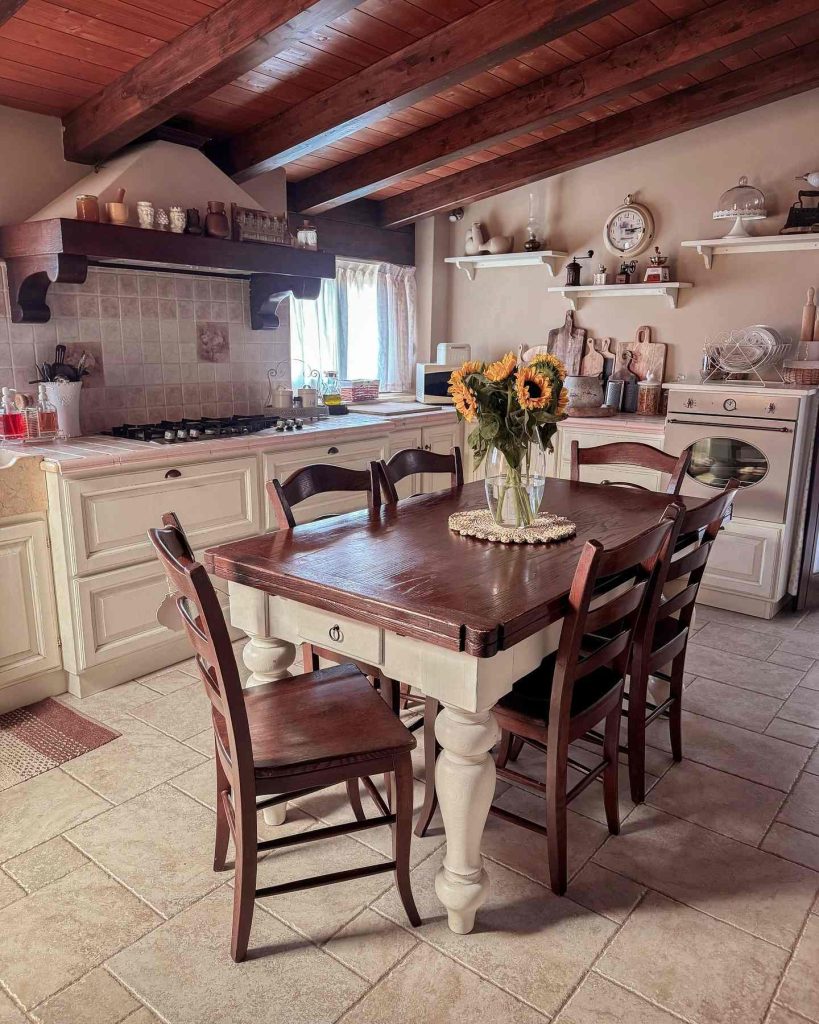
(88,208)
(648,397)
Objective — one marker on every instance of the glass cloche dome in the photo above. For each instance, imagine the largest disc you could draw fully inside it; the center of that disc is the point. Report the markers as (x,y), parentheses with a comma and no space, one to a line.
(740,203)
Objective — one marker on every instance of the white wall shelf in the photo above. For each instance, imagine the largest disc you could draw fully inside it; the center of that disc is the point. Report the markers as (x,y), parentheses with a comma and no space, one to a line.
(574,294)
(472,264)
(708,248)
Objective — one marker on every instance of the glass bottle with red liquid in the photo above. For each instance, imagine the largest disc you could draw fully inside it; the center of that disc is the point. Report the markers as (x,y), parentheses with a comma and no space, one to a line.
(12,420)
(46,415)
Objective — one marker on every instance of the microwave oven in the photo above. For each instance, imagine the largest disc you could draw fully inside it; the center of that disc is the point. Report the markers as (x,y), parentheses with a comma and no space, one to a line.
(431,383)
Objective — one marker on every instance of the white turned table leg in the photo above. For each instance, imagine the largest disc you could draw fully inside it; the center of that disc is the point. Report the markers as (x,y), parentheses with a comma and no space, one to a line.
(268,659)
(465,781)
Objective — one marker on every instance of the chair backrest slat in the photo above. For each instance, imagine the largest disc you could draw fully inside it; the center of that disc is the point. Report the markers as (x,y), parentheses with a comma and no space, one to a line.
(207,631)
(320,479)
(632,453)
(411,461)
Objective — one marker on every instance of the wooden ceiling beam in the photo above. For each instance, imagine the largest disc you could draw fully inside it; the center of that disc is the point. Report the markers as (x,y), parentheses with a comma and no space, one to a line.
(212,53)
(672,50)
(8,8)
(755,85)
(472,44)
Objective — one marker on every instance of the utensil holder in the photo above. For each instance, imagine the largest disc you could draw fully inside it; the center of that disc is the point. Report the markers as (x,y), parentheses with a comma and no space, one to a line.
(65,397)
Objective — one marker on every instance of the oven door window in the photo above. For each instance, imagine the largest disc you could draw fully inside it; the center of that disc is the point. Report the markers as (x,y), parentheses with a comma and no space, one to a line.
(716,460)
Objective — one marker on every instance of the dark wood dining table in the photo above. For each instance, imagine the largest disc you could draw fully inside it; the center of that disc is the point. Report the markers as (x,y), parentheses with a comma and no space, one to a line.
(458,618)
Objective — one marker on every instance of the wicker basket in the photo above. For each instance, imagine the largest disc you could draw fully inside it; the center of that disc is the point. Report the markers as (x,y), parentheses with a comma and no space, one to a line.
(805,375)
(358,390)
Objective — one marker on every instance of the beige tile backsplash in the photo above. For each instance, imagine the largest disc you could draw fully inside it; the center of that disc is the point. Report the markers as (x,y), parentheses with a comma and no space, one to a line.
(140,327)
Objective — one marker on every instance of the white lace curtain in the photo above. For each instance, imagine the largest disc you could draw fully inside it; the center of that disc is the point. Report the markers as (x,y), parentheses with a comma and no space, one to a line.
(362,325)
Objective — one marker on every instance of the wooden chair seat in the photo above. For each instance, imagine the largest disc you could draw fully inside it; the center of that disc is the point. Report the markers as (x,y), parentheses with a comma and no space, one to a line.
(321,720)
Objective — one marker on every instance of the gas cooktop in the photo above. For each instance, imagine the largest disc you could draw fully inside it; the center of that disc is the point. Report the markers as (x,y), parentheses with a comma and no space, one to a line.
(205,429)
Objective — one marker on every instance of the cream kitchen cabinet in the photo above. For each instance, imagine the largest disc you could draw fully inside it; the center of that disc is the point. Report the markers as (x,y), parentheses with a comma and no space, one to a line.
(591,438)
(30,664)
(441,439)
(745,568)
(398,441)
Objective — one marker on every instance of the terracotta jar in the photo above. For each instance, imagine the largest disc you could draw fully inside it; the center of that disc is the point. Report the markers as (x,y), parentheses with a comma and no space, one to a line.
(216,222)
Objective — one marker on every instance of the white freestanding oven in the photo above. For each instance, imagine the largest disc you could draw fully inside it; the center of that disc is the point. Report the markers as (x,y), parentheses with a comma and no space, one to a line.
(761,435)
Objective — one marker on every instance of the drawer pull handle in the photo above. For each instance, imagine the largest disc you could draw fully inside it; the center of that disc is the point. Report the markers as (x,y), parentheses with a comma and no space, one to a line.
(332,451)
(335,634)
(173,474)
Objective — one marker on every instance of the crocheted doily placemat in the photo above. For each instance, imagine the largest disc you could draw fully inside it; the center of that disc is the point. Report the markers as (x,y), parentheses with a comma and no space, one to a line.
(546,529)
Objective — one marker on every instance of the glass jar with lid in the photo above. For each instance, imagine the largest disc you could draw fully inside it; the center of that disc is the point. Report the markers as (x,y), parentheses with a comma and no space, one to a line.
(330,391)
(740,203)
(307,237)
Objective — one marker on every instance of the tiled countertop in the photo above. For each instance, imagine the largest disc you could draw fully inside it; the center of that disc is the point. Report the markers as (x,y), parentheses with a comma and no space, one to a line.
(623,422)
(81,454)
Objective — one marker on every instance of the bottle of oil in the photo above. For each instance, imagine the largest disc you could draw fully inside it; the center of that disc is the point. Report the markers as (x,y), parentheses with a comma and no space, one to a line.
(331,392)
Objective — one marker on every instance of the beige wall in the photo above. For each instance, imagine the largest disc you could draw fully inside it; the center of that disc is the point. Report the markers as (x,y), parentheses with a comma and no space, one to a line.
(680,179)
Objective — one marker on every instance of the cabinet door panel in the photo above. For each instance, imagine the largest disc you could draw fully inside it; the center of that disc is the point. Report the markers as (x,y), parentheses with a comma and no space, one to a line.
(442,440)
(398,441)
(744,559)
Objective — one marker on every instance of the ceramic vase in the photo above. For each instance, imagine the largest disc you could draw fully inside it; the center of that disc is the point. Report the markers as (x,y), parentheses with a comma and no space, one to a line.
(178,219)
(216,222)
(145,214)
(65,397)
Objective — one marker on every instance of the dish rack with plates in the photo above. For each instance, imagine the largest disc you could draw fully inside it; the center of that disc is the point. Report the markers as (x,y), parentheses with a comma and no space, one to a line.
(743,355)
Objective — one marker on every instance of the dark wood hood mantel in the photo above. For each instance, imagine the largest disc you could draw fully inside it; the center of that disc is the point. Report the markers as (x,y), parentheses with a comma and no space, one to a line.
(40,253)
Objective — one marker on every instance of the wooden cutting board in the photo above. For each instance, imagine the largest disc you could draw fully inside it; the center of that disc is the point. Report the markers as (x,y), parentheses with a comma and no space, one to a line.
(598,357)
(567,343)
(647,356)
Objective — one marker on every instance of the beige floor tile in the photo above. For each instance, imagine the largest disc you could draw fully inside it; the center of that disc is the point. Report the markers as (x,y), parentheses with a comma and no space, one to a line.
(370,945)
(167,681)
(428,988)
(518,848)
(693,965)
(199,782)
(727,667)
(793,732)
(749,643)
(522,924)
(800,987)
(44,864)
(202,741)
(605,892)
(802,642)
(109,705)
(141,758)
(95,999)
(802,706)
(801,809)
(782,625)
(782,1015)
(763,759)
(160,845)
(813,763)
(180,714)
(184,972)
(320,913)
(10,891)
(727,703)
(600,1001)
(9,1014)
(722,802)
(811,680)
(793,844)
(42,808)
(731,881)
(791,660)
(143,1016)
(67,928)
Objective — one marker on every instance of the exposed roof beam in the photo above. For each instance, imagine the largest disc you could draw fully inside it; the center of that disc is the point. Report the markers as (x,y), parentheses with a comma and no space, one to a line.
(753,86)
(215,51)
(8,8)
(472,44)
(675,49)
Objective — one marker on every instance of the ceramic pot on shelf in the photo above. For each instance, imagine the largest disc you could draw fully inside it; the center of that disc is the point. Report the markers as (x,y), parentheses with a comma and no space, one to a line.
(216,222)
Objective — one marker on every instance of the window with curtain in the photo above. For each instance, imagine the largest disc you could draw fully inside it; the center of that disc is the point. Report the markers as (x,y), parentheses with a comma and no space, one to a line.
(362,325)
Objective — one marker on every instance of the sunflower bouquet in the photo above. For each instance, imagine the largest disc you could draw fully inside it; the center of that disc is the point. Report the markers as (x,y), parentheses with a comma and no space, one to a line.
(515,407)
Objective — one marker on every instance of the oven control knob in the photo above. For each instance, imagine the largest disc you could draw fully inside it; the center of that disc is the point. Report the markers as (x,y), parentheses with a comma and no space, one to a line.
(690,403)
(729,405)
(771,407)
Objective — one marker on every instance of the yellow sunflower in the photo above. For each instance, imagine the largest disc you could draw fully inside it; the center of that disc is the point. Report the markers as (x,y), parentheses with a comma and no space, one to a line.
(533,390)
(501,369)
(464,398)
(470,366)
(547,359)
(562,402)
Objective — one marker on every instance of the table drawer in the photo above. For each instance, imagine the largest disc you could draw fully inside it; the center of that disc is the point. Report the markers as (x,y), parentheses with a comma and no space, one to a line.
(357,640)
(109,516)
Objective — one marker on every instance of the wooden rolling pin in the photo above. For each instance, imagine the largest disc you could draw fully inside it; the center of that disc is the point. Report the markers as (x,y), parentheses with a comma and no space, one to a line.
(809,316)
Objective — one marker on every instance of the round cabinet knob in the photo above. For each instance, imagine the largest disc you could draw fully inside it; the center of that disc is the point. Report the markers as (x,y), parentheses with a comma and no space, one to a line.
(173,474)
(335,634)
(332,451)
(729,405)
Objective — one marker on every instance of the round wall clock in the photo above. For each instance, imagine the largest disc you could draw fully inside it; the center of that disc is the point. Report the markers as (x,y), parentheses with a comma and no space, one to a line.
(629,230)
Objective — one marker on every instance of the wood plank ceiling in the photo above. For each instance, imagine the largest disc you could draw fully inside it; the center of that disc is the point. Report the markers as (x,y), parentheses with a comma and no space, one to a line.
(418,104)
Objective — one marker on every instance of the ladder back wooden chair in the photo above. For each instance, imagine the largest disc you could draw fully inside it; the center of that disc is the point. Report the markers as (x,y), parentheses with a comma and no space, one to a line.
(403,464)
(285,739)
(660,645)
(581,684)
(632,453)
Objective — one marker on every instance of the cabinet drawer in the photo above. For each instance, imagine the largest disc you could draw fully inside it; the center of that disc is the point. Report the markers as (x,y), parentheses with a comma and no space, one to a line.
(109,516)
(117,613)
(349,454)
(357,640)
(745,559)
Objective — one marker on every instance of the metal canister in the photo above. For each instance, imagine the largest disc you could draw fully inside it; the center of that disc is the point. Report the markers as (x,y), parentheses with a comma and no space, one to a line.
(614,394)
